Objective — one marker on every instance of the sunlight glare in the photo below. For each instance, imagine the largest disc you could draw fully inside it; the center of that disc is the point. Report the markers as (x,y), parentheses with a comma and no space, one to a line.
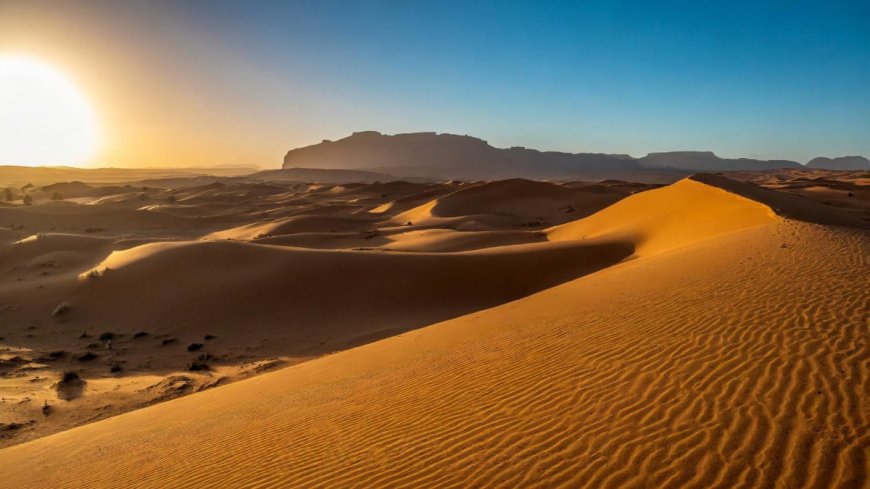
(44,117)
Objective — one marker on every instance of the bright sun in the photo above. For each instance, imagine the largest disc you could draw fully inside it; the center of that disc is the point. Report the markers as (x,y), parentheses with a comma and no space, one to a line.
(44,118)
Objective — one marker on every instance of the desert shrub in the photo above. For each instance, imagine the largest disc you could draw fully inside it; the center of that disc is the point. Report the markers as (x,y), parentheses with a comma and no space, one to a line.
(209,337)
(140,334)
(107,336)
(194,346)
(87,357)
(61,308)
(70,386)
(52,356)
(197,366)
(167,341)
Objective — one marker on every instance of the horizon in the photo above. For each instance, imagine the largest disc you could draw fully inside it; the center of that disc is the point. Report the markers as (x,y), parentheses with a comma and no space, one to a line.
(109,166)
(171,85)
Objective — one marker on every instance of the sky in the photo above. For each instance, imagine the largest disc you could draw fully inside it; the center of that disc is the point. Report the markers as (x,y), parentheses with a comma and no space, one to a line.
(227,82)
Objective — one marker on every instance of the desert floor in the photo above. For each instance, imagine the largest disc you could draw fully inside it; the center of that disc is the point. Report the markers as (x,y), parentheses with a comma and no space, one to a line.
(708,333)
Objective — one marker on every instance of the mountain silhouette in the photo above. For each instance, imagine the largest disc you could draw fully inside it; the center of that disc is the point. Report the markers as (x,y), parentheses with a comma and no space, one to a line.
(446,156)
(841,163)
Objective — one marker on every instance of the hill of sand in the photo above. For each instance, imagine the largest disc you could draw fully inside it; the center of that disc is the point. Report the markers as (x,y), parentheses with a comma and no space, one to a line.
(513,202)
(304,302)
(731,351)
(669,217)
(212,282)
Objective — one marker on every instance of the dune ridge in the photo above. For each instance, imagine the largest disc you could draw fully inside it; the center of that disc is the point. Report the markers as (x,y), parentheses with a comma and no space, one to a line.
(661,219)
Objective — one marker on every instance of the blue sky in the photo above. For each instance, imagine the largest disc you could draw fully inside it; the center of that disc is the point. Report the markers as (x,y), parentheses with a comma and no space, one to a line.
(755,79)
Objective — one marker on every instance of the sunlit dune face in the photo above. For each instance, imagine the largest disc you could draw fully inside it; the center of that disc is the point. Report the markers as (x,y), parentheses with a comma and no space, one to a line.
(44,118)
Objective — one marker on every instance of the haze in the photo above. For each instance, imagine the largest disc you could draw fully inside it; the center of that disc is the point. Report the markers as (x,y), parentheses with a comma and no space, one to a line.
(219,82)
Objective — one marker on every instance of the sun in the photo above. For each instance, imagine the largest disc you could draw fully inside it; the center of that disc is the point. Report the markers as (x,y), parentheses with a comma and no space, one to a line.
(44,118)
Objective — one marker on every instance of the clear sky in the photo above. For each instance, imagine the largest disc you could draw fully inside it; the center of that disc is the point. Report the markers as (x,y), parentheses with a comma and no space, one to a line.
(224,82)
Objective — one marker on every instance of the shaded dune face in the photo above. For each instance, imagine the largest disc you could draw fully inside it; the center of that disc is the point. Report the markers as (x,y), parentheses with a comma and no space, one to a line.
(513,202)
(305,300)
(721,356)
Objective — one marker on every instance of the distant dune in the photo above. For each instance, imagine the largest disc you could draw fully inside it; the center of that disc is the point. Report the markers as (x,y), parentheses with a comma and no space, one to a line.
(319,175)
(16,176)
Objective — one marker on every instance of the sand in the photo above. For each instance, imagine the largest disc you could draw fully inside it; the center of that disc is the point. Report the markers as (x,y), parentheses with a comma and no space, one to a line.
(686,336)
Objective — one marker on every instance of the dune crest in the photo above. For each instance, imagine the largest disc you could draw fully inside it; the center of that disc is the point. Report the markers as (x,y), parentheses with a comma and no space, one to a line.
(662,219)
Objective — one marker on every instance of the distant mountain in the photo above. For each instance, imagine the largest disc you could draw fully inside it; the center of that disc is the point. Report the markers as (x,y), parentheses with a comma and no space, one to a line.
(450,156)
(708,161)
(445,156)
(841,163)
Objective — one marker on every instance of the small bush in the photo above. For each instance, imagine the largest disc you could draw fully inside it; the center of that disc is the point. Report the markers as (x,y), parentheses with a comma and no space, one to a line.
(87,357)
(194,347)
(209,337)
(69,387)
(168,341)
(140,334)
(107,336)
(61,308)
(198,366)
(52,356)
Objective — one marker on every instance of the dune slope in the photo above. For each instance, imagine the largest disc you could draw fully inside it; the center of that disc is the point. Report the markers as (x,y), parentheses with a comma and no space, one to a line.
(299,301)
(514,201)
(736,361)
(677,215)
(714,365)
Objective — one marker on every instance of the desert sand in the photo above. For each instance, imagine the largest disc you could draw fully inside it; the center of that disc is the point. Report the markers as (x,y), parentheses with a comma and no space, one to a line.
(709,333)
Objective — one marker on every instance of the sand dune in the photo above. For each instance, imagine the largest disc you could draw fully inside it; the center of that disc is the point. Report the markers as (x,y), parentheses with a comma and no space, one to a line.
(710,365)
(294,225)
(447,240)
(677,215)
(697,335)
(306,301)
(54,251)
(511,202)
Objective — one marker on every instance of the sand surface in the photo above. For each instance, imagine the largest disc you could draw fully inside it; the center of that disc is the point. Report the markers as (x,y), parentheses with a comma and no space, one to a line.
(686,336)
